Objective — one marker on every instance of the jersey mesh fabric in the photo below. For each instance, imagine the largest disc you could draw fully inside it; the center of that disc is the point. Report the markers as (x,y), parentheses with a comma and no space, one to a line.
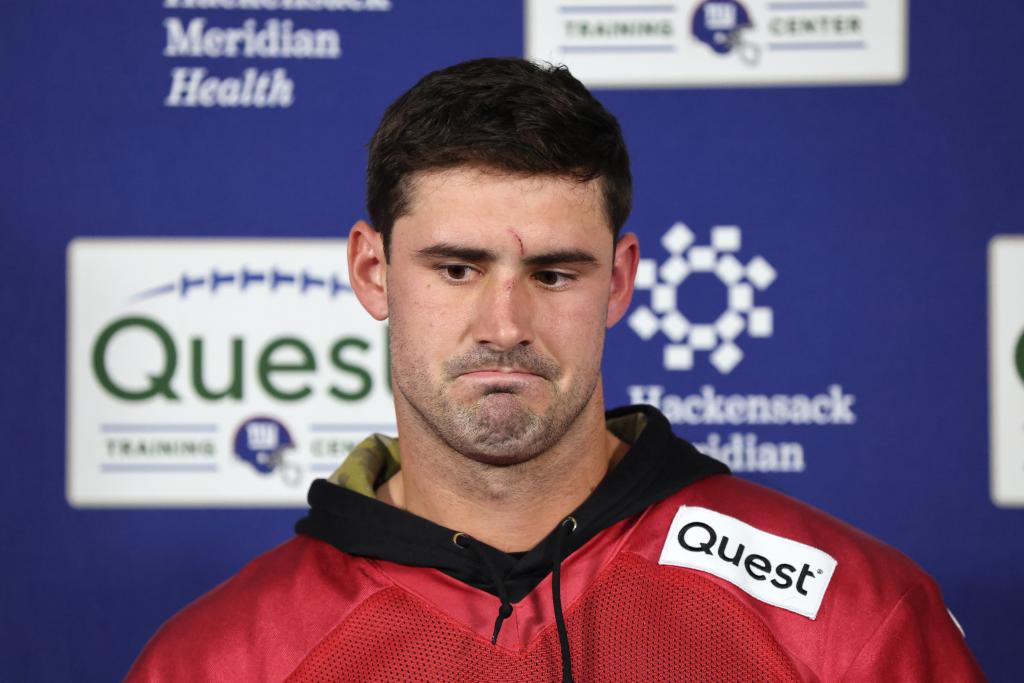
(638,622)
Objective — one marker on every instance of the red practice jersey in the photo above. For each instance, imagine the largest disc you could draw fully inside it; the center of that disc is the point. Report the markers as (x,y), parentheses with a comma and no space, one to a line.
(718,580)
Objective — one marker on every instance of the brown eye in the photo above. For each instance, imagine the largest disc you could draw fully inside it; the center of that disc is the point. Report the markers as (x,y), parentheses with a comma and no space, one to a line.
(552,278)
(456,272)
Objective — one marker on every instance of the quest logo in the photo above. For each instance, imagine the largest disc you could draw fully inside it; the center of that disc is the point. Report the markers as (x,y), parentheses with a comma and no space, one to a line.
(187,358)
(773,569)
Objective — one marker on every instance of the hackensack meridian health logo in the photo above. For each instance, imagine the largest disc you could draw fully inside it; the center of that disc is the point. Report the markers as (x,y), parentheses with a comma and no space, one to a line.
(719,337)
(765,429)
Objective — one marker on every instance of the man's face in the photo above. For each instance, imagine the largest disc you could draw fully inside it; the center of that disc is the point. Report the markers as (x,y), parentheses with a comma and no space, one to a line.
(498,297)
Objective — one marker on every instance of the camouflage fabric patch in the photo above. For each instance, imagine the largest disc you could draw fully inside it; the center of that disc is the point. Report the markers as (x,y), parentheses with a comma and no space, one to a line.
(370,464)
(376,458)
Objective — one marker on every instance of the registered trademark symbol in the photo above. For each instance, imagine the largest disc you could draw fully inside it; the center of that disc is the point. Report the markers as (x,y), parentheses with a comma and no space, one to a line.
(820,572)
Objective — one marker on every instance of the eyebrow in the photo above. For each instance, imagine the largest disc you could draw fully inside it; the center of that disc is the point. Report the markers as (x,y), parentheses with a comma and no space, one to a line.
(446,250)
(476,255)
(554,258)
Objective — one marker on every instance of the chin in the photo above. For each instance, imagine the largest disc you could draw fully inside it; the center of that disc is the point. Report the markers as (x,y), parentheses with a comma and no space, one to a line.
(500,430)
(493,459)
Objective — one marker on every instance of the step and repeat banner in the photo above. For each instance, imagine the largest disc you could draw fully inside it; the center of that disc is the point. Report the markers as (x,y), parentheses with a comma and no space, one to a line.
(830,296)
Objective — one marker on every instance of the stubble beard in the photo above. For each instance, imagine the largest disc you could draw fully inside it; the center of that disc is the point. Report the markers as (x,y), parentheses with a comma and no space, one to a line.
(497,428)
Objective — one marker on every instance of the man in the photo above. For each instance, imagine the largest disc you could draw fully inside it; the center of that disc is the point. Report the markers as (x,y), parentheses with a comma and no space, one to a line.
(519,532)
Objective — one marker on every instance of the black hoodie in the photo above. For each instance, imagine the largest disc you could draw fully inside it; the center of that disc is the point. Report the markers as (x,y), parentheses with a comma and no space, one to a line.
(346,515)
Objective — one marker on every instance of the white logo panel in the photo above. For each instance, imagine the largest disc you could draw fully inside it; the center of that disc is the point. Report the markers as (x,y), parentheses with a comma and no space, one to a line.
(638,43)
(1006,368)
(216,372)
(782,572)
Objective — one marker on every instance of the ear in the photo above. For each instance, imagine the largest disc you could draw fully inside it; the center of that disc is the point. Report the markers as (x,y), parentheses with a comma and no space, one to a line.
(368,269)
(624,263)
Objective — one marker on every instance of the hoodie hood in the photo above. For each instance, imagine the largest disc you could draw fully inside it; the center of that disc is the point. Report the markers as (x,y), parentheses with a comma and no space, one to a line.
(345,513)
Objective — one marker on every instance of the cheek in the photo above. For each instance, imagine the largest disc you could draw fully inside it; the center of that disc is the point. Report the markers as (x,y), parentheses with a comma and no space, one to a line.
(416,304)
(424,324)
(576,333)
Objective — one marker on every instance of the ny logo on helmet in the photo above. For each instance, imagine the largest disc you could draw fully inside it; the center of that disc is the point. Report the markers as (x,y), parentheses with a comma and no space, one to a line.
(262,442)
(720,25)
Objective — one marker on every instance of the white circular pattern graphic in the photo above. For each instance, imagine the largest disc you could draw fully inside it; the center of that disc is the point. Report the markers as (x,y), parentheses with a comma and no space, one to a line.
(740,315)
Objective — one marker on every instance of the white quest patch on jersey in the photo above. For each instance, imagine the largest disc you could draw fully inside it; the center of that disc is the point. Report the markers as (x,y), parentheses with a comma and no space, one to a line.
(773,569)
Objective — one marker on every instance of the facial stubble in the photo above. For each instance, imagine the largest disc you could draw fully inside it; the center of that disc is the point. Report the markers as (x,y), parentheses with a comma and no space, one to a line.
(497,428)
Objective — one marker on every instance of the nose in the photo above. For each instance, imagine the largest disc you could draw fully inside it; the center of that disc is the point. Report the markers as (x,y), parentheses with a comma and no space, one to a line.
(503,315)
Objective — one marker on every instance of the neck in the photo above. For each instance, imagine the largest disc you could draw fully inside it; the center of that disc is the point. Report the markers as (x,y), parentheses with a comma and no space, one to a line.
(512,507)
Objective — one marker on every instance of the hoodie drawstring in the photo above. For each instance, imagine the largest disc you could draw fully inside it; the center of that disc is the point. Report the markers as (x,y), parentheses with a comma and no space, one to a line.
(565,529)
(505,610)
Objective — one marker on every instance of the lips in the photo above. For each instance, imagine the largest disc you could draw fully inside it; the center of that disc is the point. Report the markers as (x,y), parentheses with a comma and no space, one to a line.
(519,364)
(500,374)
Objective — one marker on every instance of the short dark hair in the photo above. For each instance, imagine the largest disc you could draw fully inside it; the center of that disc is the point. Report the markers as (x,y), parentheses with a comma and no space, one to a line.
(505,113)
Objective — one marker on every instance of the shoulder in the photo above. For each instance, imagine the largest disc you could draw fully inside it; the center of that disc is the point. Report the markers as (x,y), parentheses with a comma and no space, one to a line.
(259,624)
(831,594)
(739,504)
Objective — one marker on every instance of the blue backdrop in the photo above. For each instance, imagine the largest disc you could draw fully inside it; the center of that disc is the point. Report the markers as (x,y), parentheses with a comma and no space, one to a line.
(873,203)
